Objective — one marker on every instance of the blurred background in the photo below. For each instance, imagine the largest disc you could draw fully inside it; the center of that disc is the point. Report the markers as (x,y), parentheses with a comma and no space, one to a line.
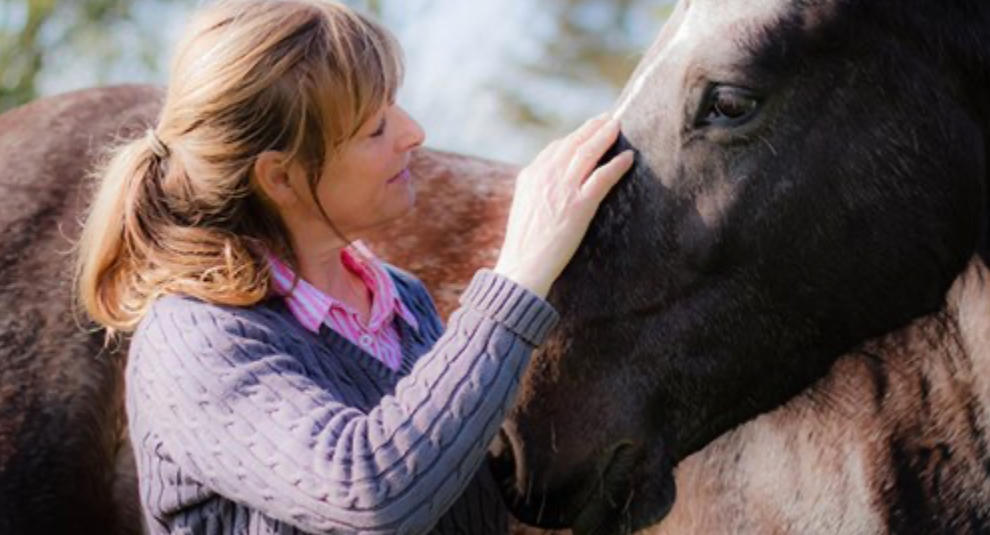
(491,78)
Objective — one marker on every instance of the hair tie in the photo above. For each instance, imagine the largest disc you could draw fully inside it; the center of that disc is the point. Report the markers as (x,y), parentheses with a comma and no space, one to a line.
(157,145)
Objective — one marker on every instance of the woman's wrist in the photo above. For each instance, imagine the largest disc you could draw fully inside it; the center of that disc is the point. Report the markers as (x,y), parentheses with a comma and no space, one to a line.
(513,305)
(524,277)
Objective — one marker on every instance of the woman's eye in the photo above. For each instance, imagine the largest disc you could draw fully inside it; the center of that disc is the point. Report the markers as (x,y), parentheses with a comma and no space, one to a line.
(728,106)
(380,130)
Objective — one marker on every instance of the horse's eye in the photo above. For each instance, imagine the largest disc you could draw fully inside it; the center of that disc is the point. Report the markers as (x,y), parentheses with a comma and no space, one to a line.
(728,106)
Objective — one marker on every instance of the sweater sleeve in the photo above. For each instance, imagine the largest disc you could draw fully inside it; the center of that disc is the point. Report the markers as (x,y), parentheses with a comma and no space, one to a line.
(233,406)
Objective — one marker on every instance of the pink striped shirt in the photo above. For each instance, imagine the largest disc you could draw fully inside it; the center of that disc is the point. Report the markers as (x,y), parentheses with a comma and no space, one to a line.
(312,307)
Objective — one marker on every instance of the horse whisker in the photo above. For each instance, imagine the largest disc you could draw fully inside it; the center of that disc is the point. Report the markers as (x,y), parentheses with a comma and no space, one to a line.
(768,144)
(553,438)
(543,504)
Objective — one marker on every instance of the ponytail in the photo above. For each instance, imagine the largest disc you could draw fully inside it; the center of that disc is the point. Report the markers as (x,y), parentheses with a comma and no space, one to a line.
(141,241)
(101,262)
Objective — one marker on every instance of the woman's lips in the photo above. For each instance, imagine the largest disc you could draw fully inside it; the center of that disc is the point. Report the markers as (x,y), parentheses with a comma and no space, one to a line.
(404,175)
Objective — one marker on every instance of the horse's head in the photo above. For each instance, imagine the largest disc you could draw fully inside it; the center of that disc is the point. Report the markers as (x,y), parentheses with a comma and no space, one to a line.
(809,175)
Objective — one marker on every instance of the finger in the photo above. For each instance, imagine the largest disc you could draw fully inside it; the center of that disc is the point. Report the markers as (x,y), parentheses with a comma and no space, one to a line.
(549,152)
(587,156)
(605,177)
(541,161)
(582,134)
(589,128)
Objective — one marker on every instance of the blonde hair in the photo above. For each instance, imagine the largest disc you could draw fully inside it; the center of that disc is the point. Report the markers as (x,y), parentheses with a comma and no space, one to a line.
(178,210)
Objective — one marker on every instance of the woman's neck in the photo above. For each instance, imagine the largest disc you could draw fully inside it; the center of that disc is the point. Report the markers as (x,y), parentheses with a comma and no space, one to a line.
(325,271)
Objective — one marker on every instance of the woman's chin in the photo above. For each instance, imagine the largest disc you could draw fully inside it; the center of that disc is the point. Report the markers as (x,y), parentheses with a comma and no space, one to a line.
(402,206)
(405,199)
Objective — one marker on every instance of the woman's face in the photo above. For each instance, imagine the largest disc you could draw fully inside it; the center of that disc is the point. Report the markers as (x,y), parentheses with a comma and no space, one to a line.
(369,183)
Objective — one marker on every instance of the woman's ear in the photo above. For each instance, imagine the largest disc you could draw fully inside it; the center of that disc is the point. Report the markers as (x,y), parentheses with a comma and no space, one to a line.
(271,170)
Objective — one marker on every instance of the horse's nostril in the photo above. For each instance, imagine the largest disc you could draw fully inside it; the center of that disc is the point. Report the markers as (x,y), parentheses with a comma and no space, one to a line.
(622,462)
(612,493)
(503,464)
(515,484)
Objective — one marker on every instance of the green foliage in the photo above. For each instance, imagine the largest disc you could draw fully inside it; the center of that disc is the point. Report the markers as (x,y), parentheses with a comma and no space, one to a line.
(32,30)
(591,47)
(583,50)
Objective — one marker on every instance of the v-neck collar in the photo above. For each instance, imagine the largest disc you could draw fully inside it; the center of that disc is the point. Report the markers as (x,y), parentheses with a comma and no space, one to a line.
(342,348)
(340,345)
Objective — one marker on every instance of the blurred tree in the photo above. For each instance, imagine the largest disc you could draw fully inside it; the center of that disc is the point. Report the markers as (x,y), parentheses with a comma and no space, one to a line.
(373,6)
(533,74)
(31,30)
(34,32)
(596,46)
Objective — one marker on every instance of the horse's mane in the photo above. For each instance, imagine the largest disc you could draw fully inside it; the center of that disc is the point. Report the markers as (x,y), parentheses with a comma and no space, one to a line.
(957,36)
(967,38)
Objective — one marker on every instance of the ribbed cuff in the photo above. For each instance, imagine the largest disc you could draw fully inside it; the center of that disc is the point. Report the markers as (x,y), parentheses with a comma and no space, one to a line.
(510,304)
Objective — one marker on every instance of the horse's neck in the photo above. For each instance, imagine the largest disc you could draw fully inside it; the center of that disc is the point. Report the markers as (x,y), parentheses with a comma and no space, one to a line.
(927,365)
(910,405)
(969,301)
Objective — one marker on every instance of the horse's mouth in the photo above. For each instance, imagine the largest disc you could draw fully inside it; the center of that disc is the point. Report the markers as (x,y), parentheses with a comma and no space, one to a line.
(607,506)
(598,504)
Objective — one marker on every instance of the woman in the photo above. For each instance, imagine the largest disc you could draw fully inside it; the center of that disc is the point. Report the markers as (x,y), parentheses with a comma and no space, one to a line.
(280,379)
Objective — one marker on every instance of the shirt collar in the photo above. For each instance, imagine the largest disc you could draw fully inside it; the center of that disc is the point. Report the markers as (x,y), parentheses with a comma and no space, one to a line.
(311,306)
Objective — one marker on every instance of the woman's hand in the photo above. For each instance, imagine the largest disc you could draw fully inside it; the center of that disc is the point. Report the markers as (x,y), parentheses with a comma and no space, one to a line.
(555,199)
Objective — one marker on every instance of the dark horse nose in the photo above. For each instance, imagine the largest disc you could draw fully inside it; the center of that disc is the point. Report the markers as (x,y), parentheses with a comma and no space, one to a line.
(527,506)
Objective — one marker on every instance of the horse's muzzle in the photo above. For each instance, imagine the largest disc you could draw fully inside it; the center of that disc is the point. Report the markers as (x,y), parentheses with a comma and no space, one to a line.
(589,502)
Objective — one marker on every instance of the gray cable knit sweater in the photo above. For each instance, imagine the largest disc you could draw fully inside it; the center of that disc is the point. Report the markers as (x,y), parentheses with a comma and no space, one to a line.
(244,422)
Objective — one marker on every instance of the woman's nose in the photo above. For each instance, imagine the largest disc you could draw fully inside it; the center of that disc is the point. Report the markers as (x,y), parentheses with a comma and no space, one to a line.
(413,134)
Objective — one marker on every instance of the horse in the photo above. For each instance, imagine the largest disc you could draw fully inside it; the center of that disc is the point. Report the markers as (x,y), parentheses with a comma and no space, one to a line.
(779,321)
(66,465)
